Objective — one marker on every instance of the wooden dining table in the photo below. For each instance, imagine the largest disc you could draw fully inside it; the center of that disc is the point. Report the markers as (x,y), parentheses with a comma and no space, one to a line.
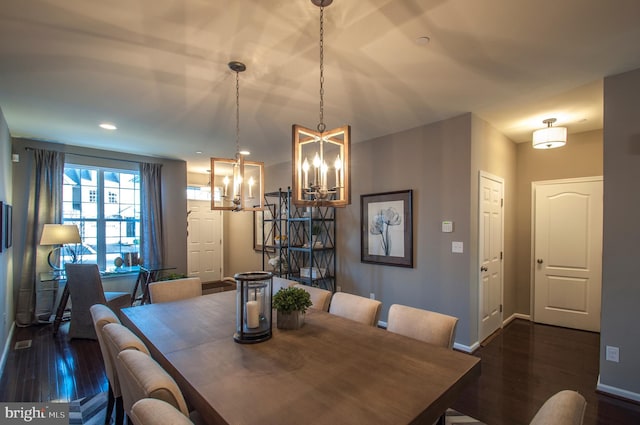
(331,371)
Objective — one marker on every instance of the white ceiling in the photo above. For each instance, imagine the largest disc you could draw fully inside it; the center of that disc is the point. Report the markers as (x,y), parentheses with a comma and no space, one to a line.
(158,69)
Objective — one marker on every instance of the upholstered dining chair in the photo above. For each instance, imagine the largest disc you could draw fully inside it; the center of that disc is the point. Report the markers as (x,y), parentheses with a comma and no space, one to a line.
(85,288)
(102,315)
(320,298)
(173,290)
(279,283)
(151,411)
(142,377)
(355,307)
(117,338)
(429,326)
(565,407)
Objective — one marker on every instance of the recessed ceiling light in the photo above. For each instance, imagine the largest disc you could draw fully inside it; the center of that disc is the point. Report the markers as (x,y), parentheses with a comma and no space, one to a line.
(199,152)
(423,41)
(108,126)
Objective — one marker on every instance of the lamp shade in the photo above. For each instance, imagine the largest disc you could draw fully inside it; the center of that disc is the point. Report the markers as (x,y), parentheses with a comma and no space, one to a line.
(550,137)
(60,234)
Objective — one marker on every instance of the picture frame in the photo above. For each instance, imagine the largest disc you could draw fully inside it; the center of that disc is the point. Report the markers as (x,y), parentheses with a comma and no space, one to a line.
(8,227)
(259,218)
(386,228)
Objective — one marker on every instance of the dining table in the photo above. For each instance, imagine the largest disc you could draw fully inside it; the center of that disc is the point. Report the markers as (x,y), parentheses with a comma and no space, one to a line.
(331,371)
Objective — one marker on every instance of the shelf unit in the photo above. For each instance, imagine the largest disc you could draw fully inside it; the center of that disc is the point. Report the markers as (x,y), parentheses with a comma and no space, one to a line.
(307,241)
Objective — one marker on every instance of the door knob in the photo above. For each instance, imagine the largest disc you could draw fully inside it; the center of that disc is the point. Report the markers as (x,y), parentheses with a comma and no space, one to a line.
(540,261)
(483,269)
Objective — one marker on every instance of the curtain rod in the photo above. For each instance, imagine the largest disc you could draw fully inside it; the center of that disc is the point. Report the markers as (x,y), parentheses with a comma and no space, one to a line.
(29,148)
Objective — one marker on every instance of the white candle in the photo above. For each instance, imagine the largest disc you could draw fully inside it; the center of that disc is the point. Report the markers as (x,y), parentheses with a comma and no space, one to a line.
(316,166)
(305,168)
(325,168)
(253,319)
(226,185)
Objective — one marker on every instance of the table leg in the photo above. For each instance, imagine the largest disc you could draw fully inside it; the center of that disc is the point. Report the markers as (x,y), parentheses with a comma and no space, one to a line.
(139,283)
(60,312)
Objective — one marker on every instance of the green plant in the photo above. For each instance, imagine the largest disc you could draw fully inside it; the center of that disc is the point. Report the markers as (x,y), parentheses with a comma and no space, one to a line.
(288,300)
(316,229)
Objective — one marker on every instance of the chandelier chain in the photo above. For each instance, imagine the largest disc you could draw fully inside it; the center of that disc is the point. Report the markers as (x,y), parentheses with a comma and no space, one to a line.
(321,125)
(237,114)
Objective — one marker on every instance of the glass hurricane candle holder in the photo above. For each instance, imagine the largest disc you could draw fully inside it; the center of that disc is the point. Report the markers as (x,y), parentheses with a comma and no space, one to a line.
(253,306)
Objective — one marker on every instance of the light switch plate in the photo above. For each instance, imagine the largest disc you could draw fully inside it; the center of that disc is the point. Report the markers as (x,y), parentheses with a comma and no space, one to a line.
(457,247)
(447,226)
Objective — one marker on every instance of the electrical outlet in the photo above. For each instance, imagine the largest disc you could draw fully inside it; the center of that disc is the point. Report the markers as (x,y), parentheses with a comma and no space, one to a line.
(338,288)
(372,296)
(613,354)
(457,247)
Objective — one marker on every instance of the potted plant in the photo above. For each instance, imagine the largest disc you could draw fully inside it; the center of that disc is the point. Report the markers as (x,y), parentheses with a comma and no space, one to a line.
(316,229)
(291,304)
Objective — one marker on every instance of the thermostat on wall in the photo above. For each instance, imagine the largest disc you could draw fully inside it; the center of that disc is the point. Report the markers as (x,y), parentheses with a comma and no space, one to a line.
(447,226)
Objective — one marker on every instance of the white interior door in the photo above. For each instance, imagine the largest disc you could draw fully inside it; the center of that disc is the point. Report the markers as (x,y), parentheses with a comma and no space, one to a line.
(490,253)
(204,241)
(567,253)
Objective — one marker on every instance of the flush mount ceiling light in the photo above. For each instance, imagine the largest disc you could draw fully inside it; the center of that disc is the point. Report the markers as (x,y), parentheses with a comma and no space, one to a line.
(549,137)
(238,185)
(108,126)
(328,152)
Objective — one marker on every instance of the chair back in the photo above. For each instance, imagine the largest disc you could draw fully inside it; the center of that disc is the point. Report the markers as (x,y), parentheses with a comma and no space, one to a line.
(118,338)
(85,288)
(429,326)
(173,290)
(355,307)
(102,315)
(142,377)
(151,411)
(565,407)
(279,283)
(320,298)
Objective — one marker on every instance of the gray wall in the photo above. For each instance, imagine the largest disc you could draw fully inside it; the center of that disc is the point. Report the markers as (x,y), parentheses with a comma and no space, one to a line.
(174,198)
(6,256)
(580,157)
(621,252)
(440,162)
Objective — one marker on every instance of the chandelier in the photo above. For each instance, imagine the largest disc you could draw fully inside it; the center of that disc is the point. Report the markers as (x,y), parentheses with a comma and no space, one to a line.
(321,158)
(237,184)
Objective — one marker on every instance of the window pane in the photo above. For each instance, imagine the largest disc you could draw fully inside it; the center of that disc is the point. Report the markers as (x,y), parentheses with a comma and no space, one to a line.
(105,205)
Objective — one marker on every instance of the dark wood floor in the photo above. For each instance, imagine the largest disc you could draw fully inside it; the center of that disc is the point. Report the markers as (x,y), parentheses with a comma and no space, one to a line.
(521,367)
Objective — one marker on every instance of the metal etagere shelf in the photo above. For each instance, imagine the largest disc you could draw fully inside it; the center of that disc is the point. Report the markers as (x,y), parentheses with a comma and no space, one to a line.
(302,238)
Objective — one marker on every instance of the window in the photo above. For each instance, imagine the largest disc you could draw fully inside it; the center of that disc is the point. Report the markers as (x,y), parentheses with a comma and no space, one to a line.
(105,205)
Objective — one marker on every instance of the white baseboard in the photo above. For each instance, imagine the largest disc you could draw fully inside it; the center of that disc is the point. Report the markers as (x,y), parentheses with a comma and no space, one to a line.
(466,348)
(618,392)
(515,316)
(7,347)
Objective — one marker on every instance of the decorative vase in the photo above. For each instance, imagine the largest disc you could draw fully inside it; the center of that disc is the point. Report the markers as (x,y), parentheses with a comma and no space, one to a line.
(293,320)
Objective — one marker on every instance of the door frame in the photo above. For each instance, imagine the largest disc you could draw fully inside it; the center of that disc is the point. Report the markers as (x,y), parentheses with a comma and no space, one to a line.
(532,260)
(484,174)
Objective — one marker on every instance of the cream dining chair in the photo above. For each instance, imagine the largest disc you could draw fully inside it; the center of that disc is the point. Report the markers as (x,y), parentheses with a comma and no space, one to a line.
(565,407)
(355,307)
(142,377)
(320,298)
(429,326)
(173,290)
(103,315)
(151,411)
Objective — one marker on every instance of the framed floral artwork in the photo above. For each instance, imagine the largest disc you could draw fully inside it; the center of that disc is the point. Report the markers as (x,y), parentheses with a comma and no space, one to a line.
(386,228)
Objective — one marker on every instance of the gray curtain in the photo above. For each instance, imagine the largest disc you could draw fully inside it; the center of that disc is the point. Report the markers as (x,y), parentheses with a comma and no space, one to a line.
(151,242)
(45,206)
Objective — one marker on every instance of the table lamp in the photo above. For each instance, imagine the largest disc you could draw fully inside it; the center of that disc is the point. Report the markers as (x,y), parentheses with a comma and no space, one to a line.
(60,234)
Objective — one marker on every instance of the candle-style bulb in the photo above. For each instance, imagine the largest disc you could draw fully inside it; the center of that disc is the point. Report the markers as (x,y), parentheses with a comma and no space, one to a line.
(316,160)
(305,165)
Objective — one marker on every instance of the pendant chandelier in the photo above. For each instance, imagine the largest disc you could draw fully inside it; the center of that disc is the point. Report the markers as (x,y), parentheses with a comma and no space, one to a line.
(321,158)
(237,184)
